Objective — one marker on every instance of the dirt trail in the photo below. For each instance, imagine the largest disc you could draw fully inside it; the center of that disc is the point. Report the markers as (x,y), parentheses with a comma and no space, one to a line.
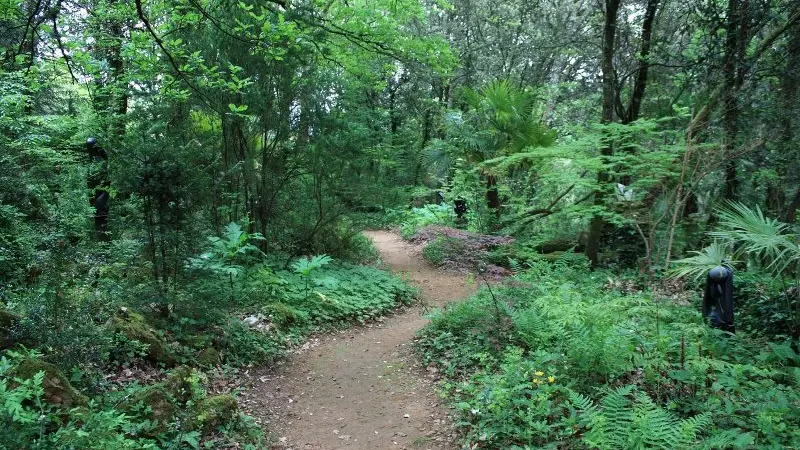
(359,389)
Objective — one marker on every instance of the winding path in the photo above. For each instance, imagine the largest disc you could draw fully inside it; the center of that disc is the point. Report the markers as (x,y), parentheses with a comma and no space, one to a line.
(360,389)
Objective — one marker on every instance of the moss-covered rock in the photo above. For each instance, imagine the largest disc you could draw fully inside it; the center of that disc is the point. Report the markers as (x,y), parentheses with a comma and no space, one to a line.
(199,341)
(215,411)
(57,389)
(160,403)
(284,316)
(209,357)
(155,404)
(8,322)
(179,383)
(134,327)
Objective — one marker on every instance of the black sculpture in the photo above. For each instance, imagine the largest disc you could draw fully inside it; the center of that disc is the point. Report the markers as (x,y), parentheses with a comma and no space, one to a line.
(460,207)
(98,182)
(718,298)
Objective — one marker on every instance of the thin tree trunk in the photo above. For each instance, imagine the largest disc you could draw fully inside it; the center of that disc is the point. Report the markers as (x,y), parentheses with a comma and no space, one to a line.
(609,96)
(640,84)
(733,72)
(791,210)
(492,195)
(790,93)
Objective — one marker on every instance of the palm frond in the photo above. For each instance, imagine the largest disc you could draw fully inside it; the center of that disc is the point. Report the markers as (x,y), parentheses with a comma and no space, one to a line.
(439,157)
(759,236)
(706,259)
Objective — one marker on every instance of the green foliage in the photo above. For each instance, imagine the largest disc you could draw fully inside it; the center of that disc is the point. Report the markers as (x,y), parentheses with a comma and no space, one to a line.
(506,120)
(418,218)
(228,254)
(341,292)
(29,421)
(514,406)
(306,266)
(434,252)
(243,346)
(628,370)
(636,423)
(762,238)
(765,245)
(763,306)
(706,259)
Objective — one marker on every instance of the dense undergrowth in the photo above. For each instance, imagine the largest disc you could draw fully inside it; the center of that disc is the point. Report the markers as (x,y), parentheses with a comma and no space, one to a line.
(559,357)
(114,359)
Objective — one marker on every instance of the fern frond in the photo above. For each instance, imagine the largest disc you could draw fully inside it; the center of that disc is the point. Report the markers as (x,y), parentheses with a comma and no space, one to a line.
(581,402)
(631,420)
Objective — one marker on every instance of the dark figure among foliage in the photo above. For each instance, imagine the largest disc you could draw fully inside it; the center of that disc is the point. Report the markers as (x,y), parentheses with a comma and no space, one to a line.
(718,298)
(98,182)
(460,207)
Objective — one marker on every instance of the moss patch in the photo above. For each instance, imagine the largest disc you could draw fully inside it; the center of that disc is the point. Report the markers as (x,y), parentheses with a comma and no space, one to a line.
(215,411)
(161,402)
(209,357)
(57,389)
(154,404)
(133,327)
(178,383)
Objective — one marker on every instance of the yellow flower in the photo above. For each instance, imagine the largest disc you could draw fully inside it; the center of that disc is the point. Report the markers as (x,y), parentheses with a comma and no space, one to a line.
(539,373)
(537,381)
(551,378)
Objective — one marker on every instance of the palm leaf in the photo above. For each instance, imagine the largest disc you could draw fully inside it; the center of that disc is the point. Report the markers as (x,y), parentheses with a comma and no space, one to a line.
(706,259)
(759,236)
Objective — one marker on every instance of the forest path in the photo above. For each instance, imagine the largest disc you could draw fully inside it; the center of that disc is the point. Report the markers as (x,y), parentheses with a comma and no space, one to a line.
(360,389)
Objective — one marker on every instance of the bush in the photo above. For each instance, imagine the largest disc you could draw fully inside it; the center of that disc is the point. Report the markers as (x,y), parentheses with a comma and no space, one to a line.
(764,306)
(628,370)
(31,423)
(417,218)
(434,252)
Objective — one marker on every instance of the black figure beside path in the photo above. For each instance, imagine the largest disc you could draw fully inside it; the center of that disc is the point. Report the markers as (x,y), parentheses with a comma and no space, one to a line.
(718,298)
(98,183)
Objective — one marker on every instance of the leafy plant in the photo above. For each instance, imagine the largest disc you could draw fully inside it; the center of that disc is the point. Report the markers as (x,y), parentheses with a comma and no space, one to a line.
(306,266)
(229,253)
(767,240)
(748,234)
(696,267)
(434,252)
(421,217)
(628,370)
(629,420)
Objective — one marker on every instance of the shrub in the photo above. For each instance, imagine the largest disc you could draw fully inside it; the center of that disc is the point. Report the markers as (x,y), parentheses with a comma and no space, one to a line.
(31,423)
(629,371)
(417,218)
(434,252)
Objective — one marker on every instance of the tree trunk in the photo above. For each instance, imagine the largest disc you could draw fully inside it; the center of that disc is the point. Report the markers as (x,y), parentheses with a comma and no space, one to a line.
(733,73)
(634,107)
(790,95)
(791,210)
(492,195)
(609,96)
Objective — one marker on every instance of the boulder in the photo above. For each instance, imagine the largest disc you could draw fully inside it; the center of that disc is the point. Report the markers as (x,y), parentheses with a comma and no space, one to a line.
(57,389)
(133,326)
(179,383)
(155,404)
(161,402)
(209,357)
(215,411)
